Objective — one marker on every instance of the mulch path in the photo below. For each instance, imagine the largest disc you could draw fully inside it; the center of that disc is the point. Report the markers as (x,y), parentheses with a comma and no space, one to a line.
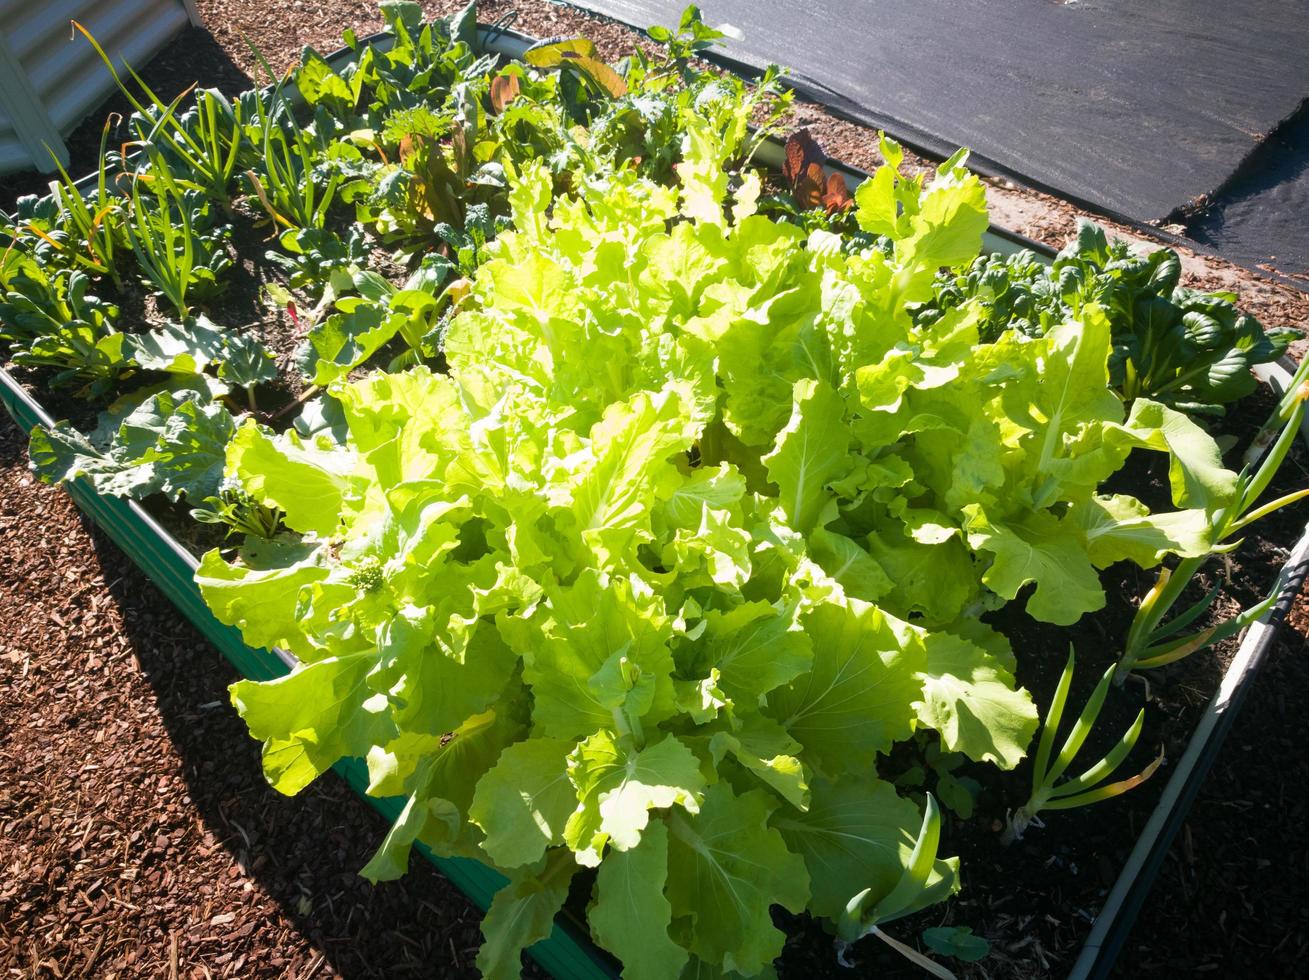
(138,838)
(137,834)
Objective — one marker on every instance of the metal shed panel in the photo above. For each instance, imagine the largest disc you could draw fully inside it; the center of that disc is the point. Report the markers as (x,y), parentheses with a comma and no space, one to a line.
(61,70)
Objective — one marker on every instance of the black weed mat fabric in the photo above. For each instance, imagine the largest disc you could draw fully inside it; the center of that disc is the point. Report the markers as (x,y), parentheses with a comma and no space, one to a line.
(1262,216)
(1140,110)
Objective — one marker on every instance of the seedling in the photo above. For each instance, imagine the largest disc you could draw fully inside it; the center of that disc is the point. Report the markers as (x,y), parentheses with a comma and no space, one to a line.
(1047,792)
(239,513)
(917,888)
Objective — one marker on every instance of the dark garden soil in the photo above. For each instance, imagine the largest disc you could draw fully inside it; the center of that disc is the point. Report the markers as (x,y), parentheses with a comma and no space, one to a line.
(138,838)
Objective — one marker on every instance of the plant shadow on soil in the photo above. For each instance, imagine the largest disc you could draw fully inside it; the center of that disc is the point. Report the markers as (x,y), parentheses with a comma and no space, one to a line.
(305,851)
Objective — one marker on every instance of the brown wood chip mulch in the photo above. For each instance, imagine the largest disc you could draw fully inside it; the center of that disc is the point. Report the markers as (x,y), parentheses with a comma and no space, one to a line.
(137,835)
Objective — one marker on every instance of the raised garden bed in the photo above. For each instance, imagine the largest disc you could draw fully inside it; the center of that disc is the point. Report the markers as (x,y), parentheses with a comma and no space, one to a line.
(564,955)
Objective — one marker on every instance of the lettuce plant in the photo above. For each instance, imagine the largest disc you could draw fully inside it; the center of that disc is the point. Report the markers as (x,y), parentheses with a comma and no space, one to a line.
(696,527)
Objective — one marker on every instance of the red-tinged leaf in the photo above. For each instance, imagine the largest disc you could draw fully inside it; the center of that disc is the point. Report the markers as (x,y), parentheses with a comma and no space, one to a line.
(504,89)
(808,188)
(408,147)
(837,195)
(461,152)
(802,150)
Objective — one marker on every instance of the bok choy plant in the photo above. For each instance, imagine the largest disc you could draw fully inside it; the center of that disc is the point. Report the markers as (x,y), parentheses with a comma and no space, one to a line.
(1050,794)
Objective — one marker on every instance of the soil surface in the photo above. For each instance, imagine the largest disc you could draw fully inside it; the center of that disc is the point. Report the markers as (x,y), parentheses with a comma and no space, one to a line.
(137,837)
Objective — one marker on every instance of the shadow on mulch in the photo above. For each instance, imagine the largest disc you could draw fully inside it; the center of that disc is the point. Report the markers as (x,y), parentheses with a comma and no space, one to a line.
(193,54)
(304,852)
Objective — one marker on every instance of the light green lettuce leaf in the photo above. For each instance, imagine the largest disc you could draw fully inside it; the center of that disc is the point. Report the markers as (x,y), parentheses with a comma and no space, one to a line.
(618,784)
(970,699)
(842,558)
(1043,550)
(726,869)
(755,648)
(523,803)
(630,915)
(1119,527)
(436,691)
(522,914)
(596,657)
(260,593)
(438,775)
(313,717)
(936,580)
(765,748)
(1195,471)
(629,465)
(810,453)
(855,701)
(714,487)
(857,833)
(312,484)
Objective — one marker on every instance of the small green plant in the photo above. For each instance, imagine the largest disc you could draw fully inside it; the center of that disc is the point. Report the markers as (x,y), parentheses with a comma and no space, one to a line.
(50,319)
(362,324)
(240,513)
(691,39)
(1152,639)
(206,142)
(1050,794)
(922,883)
(956,941)
(957,793)
(165,230)
(310,256)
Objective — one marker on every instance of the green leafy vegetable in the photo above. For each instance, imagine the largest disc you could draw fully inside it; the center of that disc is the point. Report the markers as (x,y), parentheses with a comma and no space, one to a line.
(641,564)
(1180,346)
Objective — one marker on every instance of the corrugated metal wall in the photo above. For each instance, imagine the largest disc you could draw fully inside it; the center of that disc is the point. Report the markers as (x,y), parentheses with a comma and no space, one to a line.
(44,63)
